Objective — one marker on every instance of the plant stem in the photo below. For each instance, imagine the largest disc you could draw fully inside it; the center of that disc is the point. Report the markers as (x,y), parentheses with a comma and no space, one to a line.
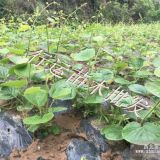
(47,34)
(150,112)
(34,21)
(65,21)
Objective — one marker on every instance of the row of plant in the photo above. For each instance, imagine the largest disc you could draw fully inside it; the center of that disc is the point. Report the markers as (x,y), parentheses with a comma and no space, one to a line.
(126,56)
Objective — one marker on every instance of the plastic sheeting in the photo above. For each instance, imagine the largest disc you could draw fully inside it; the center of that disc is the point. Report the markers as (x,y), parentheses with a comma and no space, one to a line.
(13,135)
(81,150)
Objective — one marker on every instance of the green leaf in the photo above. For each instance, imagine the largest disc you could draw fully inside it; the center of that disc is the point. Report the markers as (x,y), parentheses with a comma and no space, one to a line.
(35,120)
(78,66)
(25,107)
(36,96)
(142,114)
(47,117)
(122,81)
(157,72)
(57,109)
(126,101)
(3,72)
(156,62)
(84,55)
(33,128)
(24,71)
(134,133)
(7,93)
(15,83)
(120,65)
(93,99)
(60,94)
(17,51)
(56,130)
(153,87)
(41,75)
(18,59)
(102,75)
(113,132)
(138,89)
(62,90)
(4,51)
(143,74)
(137,63)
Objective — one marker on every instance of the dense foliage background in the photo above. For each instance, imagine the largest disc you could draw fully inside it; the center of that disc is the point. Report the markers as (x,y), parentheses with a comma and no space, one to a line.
(95,10)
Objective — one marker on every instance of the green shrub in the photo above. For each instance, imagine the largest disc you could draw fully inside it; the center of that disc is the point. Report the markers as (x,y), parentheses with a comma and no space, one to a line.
(116,12)
(146,10)
(2,7)
(21,6)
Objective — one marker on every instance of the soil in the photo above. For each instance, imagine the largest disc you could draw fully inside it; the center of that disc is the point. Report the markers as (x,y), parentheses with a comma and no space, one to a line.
(51,148)
(54,147)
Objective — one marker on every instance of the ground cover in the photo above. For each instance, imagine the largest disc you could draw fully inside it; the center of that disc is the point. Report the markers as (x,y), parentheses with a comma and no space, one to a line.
(83,64)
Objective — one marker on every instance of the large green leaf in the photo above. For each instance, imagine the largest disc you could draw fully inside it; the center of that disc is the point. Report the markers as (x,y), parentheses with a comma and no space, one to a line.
(18,59)
(153,87)
(15,83)
(84,55)
(24,71)
(35,120)
(93,99)
(36,96)
(7,93)
(137,88)
(62,90)
(61,93)
(102,75)
(122,81)
(142,74)
(136,63)
(141,135)
(113,132)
